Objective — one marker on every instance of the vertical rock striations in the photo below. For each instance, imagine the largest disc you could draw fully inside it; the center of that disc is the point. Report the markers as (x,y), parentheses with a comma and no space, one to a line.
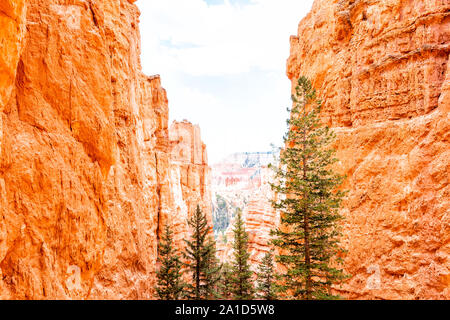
(381,68)
(86,175)
(190,177)
(261,219)
(12,31)
(242,181)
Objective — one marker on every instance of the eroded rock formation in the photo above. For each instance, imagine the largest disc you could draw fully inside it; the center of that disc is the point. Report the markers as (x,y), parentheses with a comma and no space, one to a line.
(12,31)
(190,177)
(260,219)
(86,175)
(381,68)
(242,181)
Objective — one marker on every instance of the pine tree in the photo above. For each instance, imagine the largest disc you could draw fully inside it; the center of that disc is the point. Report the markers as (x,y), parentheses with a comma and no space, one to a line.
(308,201)
(170,284)
(198,256)
(225,282)
(241,278)
(212,274)
(266,278)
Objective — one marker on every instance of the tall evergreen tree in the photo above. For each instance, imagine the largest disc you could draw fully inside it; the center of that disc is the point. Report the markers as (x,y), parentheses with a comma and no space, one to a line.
(266,278)
(212,274)
(226,282)
(170,283)
(308,200)
(198,257)
(241,278)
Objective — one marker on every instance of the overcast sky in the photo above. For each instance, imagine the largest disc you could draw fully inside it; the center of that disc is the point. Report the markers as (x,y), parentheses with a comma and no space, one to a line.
(223,63)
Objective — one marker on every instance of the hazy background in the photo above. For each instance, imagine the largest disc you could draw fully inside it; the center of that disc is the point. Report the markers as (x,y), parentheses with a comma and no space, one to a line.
(223,64)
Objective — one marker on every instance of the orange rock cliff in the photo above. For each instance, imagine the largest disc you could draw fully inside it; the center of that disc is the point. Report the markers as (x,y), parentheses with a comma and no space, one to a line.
(381,68)
(88,173)
(190,176)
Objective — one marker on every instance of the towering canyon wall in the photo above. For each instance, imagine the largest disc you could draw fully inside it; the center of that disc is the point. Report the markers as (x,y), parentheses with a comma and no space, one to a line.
(381,68)
(86,169)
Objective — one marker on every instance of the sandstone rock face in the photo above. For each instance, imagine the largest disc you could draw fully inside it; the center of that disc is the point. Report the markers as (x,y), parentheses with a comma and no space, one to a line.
(12,30)
(236,177)
(381,68)
(260,219)
(86,176)
(190,177)
(242,181)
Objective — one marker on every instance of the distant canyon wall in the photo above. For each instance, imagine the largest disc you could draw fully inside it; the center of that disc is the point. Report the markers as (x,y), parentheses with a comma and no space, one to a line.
(242,181)
(381,68)
(191,178)
(88,173)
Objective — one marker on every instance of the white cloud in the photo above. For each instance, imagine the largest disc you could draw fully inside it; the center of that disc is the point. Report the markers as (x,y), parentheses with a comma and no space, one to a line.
(184,39)
(223,38)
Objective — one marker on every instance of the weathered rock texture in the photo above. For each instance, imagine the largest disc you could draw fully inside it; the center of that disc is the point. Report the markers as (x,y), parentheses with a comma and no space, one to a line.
(12,17)
(260,219)
(12,30)
(190,177)
(86,175)
(243,180)
(381,68)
